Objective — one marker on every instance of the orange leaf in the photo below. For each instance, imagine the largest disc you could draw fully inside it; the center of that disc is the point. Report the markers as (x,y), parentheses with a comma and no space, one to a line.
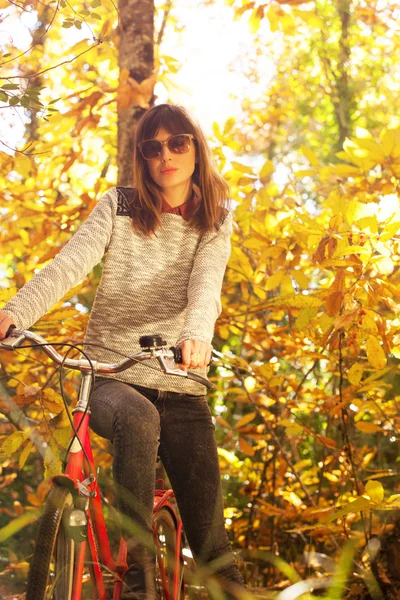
(245,447)
(326,441)
(367,427)
(333,303)
(320,252)
(222,422)
(246,419)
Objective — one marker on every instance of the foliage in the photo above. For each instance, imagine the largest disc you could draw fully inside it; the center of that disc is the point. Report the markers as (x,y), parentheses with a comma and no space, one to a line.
(309,337)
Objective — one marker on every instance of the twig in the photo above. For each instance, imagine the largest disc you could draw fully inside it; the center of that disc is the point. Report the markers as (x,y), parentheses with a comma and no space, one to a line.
(65,62)
(37,41)
(167,10)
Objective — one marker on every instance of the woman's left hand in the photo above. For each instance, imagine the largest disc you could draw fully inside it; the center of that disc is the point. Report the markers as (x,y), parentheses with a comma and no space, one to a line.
(195,354)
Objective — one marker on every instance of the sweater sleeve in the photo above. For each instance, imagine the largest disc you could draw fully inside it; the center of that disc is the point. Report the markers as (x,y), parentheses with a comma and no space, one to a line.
(205,283)
(76,259)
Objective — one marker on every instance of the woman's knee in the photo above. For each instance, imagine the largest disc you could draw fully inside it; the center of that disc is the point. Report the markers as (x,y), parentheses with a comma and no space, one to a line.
(136,416)
(128,412)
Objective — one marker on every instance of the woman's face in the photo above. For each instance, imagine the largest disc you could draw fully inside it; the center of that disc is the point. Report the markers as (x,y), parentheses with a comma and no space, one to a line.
(171,170)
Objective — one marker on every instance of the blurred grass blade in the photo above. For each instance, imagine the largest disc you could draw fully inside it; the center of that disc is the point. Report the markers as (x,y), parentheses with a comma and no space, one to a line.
(19,523)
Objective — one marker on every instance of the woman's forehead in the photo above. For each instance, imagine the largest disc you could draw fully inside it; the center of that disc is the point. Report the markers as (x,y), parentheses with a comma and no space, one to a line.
(169,126)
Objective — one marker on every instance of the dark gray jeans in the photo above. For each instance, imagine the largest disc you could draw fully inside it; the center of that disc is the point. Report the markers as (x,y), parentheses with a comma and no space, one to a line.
(142,423)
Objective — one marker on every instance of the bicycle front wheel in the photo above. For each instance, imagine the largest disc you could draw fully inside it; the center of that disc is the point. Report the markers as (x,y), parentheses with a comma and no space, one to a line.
(166,565)
(52,565)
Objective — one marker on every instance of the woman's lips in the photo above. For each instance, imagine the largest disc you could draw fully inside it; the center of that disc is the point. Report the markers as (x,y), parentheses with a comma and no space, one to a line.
(166,171)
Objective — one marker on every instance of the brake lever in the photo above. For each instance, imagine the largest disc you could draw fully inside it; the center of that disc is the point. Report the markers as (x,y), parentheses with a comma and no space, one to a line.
(12,341)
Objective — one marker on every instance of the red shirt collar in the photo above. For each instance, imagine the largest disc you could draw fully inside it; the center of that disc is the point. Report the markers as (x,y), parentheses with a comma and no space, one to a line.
(185,210)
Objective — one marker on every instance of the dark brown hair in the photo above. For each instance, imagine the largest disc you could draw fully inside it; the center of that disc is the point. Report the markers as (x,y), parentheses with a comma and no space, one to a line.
(211,188)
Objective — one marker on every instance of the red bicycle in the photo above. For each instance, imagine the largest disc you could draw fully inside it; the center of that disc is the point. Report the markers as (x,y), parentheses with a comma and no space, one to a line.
(72,534)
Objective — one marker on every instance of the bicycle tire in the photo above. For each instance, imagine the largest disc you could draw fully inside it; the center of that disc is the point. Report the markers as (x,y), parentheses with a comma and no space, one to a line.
(165,526)
(52,564)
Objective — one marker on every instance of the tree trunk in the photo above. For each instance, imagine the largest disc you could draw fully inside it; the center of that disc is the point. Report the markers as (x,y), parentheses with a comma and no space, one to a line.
(136,54)
(343,107)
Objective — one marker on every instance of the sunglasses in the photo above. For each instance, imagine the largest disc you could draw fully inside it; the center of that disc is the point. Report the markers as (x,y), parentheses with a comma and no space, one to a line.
(177,144)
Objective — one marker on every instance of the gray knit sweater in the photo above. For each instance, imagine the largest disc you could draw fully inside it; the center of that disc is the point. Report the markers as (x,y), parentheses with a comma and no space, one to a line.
(168,284)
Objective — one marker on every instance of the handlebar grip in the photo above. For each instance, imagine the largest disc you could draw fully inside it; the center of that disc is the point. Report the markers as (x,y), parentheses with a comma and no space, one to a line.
(177,355)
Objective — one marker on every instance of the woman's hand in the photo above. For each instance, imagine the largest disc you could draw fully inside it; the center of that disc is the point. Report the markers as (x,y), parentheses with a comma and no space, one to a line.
(195,354)
(5,322)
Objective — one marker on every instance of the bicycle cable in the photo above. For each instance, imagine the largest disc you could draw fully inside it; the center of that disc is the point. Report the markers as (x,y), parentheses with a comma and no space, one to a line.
(79,348)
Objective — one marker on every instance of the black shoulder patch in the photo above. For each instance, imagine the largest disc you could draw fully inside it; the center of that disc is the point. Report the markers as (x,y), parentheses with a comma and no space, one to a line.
(126,196)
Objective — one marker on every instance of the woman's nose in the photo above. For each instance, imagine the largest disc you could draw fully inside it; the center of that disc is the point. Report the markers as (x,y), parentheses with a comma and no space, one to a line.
(165,152)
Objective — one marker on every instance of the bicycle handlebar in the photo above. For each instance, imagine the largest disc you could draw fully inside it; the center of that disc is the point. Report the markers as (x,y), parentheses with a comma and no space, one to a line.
(165,357)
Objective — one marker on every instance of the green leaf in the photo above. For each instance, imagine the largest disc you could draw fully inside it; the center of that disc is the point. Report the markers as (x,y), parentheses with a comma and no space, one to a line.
(14,101)
(96,16)
(3,97)
(10,86)
(95,3)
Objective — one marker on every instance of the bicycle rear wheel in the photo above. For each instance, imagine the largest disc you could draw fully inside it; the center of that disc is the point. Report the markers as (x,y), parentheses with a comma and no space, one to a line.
(52,565)
(165,527)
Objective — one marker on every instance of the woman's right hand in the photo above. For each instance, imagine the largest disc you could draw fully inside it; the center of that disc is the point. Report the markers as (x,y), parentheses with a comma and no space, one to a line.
(5,322)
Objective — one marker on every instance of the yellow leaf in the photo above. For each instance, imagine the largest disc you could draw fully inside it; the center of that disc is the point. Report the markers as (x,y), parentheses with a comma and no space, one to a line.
(369,223)
(50,395)
(376,356)
(309,154)
(245,447)
(292,428)
(7,294)
(331,477)
(375,491)
(344,170)
(13,442)
(335,222)
(25,453)
(296,301)
(275,280)
(301,279)
(286,285)
(266,169)
(388,140)
(254,21)
(52,462)
(245,420)
(292,498)
(367,427)
(266,371)
(305,317)
(63,436)
(355,374)
(242,168)
(276,381)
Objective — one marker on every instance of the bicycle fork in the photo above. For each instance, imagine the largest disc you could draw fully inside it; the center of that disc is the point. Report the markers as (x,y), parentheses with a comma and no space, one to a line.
(87,516)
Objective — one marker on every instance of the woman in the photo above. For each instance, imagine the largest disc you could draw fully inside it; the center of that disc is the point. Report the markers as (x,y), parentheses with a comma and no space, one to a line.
(167,243)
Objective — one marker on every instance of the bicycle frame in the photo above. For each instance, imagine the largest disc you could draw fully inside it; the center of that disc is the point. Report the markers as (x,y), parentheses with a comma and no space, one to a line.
(79,479)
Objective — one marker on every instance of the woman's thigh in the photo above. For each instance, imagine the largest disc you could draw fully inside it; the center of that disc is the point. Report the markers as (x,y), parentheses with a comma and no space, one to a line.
(117,409)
